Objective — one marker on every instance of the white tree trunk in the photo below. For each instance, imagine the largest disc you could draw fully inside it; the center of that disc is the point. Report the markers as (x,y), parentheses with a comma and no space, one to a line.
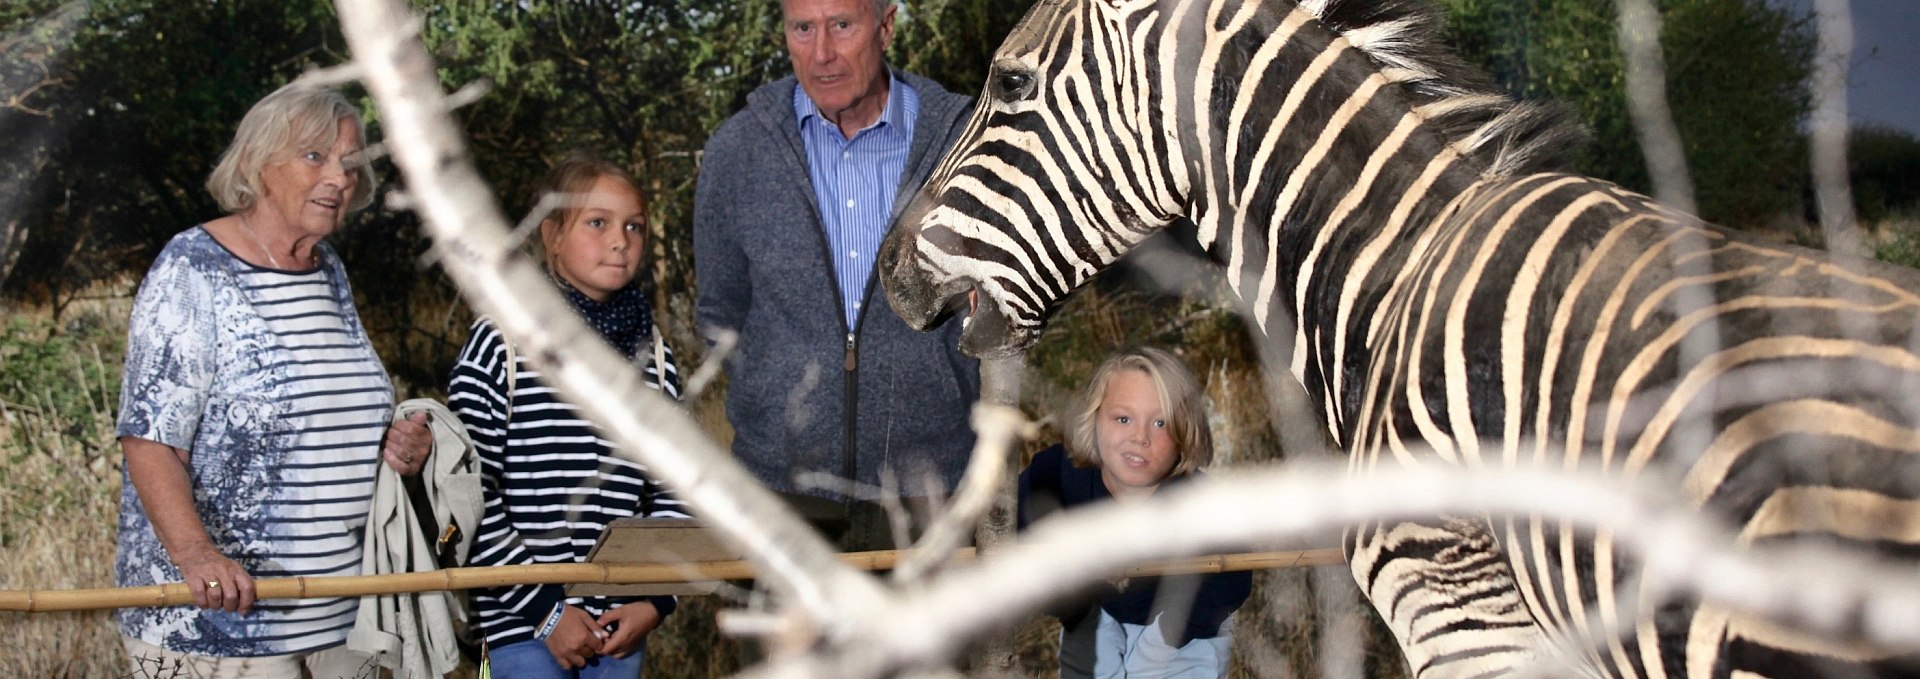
(1660,140)
(1833,194)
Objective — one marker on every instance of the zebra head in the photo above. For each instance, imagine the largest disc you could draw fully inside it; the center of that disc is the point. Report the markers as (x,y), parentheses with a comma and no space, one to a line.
(1066,165)
(1282,130)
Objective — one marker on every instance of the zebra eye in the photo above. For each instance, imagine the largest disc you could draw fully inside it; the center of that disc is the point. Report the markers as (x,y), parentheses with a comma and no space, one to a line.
(1012,86)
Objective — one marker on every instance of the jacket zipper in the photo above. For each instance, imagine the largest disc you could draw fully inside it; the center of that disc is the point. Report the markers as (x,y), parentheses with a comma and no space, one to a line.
(850,468)
(850,368)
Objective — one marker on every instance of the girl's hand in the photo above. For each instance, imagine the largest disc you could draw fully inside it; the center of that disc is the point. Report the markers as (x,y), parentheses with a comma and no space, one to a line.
(217,582)
(577,639)
(407,444)
(630,624)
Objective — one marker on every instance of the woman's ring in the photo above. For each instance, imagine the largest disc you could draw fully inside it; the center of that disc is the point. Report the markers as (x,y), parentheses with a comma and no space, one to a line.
(407,458)
(213,584)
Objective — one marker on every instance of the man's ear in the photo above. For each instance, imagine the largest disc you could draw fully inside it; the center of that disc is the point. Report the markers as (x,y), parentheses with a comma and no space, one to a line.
(886,25)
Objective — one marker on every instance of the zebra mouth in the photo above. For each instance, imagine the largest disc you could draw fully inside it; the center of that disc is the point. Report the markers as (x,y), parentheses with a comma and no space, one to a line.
(959,297)
(984,328)
(973,304)
(926,301)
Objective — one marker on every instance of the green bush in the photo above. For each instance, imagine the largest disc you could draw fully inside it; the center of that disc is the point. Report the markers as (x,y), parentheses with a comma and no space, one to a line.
(1902,249)
(71,377)
(1735,72)
(1885,169)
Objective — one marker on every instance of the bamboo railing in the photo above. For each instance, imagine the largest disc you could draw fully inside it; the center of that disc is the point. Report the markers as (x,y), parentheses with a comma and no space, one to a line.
(176,594)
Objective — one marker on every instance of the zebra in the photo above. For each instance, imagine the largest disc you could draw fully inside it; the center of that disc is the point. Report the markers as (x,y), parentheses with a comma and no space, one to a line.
(1397,227)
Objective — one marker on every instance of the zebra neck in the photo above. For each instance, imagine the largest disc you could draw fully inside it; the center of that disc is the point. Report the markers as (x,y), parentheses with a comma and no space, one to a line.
(1315,180)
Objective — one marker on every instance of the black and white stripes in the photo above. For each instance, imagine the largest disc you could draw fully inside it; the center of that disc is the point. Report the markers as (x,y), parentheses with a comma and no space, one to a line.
(549,479)
(1384,217)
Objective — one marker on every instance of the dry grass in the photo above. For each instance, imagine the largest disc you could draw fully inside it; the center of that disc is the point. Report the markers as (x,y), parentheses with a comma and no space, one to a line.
(59,500)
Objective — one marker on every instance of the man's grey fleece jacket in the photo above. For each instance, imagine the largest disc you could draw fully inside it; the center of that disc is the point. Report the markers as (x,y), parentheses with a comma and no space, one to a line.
(800,379)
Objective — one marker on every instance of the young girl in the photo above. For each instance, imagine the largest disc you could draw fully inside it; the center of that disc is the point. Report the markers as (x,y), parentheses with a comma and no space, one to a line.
(550,481)
(1140,424)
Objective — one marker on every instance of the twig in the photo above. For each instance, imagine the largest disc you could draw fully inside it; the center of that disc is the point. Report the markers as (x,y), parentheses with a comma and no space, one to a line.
(333,76)
(9,405)
(1822,590)
(724,341)
(469,93)
(998,428)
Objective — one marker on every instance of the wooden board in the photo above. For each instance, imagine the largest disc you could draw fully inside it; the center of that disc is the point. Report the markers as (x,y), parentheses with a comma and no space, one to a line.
(655,541)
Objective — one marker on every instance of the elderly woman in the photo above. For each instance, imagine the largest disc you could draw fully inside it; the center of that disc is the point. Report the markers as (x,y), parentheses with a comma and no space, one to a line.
(253,409)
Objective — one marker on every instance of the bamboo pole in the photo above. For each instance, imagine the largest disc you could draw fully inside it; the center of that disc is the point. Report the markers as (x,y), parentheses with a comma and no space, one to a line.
(176,594)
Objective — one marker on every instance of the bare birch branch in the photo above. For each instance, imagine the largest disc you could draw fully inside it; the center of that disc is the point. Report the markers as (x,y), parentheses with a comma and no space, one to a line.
(992,503)
(468,229)
(332,76)
(985,502)
(723,344)
(1647,103)
(1828,122)
(999,428)
(1841,594)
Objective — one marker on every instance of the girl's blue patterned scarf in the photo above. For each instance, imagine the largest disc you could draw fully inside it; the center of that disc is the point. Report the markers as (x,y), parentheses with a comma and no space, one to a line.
(625,320)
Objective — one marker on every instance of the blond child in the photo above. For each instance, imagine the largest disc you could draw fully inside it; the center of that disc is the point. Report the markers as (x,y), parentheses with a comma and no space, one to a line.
(1138,426)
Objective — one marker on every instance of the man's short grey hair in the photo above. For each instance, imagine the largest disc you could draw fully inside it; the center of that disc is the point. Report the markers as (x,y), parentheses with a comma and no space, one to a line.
(294,117)
(879,7)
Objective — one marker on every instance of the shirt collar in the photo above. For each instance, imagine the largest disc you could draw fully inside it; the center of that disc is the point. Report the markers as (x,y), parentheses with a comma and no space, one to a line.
(892,120)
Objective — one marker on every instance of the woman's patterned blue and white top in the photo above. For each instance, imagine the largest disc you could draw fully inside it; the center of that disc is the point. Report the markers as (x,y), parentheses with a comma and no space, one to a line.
(267,378)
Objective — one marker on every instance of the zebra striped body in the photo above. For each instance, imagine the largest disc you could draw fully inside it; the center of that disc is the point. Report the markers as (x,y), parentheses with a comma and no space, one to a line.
(1378,213)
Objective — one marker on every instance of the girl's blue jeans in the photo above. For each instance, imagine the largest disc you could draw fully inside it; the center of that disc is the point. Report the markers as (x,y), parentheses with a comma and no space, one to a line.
(531,660)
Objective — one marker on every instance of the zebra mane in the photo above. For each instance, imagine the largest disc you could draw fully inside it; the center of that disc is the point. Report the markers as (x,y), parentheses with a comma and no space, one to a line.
(1460,101)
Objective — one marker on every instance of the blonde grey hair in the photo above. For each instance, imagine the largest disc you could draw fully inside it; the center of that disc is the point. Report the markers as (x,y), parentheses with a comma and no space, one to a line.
(879,7)
(1181,399)
(294,117)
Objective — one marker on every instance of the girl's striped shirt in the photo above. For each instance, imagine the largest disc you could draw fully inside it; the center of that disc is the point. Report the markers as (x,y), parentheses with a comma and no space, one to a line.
(549,478)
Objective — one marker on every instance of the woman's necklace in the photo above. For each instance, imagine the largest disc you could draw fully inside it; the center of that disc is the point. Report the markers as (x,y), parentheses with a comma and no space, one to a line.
(247,225)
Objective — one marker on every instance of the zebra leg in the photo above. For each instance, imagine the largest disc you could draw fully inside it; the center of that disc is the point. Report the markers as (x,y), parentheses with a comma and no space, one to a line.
(1448,593)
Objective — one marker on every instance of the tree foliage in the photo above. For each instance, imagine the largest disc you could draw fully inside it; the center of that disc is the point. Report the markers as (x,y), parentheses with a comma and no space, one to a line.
(138,103)
(952,41)
(1885,166)
(638,83)
(114,118)
(1736,81)
(132,108)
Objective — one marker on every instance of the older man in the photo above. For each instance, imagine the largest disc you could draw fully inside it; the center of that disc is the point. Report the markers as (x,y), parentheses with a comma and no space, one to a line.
(795,194)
